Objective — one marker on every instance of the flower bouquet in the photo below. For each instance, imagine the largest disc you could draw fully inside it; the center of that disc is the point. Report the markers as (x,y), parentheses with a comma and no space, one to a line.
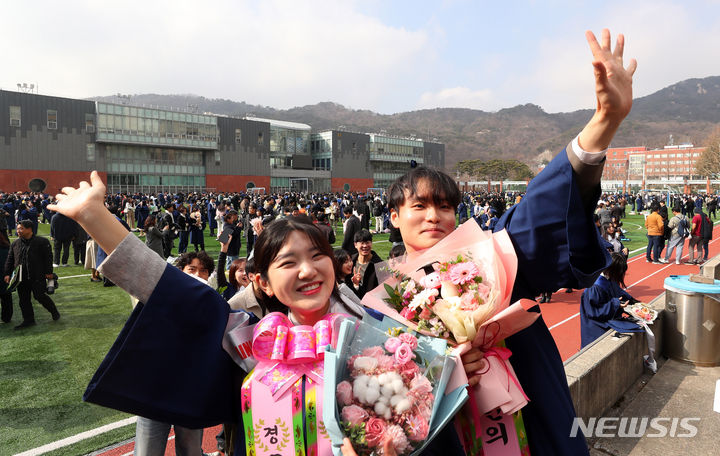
(642,312)
(460,290)
(389,385)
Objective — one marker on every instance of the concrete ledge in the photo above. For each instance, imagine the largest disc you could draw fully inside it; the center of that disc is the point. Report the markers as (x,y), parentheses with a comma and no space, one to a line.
(711,268)
(601,373)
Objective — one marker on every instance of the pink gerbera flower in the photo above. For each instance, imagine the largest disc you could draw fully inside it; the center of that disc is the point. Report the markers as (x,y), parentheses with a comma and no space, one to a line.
(461,273)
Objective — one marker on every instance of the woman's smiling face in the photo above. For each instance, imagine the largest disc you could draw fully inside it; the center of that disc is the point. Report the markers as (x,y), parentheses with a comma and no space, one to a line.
(301,277)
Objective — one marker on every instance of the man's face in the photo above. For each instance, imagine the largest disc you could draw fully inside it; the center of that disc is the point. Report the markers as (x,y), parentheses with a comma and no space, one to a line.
(196,268)
(25,233)
(364,247)
(421,222)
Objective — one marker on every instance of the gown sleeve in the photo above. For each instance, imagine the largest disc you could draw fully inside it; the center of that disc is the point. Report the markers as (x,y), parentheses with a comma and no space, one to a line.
(168,363)
(557,245)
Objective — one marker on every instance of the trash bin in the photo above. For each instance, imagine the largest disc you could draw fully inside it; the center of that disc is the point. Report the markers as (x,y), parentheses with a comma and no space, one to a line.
(691,325)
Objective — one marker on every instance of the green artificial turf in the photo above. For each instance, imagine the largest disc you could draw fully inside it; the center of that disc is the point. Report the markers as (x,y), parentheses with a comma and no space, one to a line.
(45,369)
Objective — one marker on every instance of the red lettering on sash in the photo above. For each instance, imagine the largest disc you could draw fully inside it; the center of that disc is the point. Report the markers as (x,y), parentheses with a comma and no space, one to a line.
(245,349)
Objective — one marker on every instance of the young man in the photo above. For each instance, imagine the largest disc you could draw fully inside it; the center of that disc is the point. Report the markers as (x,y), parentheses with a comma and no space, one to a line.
(364,277)
(677,239)
(557,245)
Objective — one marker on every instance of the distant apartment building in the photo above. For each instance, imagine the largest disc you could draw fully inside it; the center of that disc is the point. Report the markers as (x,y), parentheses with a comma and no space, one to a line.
(58,141)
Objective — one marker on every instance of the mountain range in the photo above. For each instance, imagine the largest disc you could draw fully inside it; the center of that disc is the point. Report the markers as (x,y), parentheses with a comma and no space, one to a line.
(687,111)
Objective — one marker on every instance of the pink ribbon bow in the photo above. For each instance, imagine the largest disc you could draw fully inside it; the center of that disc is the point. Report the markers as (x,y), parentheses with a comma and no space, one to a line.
(285,352)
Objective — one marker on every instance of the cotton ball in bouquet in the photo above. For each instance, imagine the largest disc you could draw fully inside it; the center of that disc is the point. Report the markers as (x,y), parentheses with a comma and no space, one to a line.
(383,378)
(374,382)
(395,400)
(360,386)
(383,410)
(398,385)
(371,395)
(403,405)
(387,391)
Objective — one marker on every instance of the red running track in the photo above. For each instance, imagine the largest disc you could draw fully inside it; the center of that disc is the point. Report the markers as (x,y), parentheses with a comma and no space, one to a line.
(644,281)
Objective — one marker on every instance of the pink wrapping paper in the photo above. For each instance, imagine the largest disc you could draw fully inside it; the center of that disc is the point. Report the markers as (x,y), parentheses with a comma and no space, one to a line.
(498,387)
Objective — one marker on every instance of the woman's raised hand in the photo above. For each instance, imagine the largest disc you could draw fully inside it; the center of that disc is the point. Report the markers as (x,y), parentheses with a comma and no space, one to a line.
(85,205)
(78,203)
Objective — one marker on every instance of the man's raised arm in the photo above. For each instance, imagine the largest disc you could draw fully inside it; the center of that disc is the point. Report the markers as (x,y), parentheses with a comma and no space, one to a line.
(613,91)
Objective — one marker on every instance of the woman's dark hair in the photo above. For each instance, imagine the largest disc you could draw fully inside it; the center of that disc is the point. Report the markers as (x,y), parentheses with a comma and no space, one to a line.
(234,266)
(340,257)
(604,227)
(149,221)
(188,257)
(272,239)
(442,188)
(617,269)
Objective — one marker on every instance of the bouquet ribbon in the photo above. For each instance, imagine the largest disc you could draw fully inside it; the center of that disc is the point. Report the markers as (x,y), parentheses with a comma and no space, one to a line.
(286,384)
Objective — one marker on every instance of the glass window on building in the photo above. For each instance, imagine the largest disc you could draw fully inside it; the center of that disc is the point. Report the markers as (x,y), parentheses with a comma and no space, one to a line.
(91,152)
(52,119)
(14,116)
(90,123)
(238,136)
(261,139)
(217,158)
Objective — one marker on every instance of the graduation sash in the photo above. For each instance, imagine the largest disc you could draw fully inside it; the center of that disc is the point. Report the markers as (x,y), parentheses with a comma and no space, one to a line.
(282,396)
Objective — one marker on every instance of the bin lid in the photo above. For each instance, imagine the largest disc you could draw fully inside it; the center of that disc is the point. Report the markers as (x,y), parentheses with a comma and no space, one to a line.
(682,282)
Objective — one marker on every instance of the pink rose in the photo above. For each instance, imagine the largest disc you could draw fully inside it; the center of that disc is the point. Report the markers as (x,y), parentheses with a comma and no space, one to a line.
(408,313)
(398,438)
(421,385)
(374,431)
(409,370)
(409,339)
(392,344)
(417,427)
(386,363)
(354,414)
(374,352)
(425,314)
(344,393)
(403,354)
(461,273)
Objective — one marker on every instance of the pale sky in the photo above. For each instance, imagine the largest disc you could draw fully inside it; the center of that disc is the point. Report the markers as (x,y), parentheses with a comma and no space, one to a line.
(386,56)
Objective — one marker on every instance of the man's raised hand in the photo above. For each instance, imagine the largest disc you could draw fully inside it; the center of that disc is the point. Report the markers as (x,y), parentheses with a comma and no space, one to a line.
(613,81)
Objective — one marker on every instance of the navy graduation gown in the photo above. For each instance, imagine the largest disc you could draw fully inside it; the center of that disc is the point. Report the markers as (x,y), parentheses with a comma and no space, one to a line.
(557,245)
(600,310)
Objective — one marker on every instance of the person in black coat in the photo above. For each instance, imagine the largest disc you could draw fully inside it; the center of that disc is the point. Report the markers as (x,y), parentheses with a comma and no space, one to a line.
(35,255)
(352,226)
(62,230)
(363,277)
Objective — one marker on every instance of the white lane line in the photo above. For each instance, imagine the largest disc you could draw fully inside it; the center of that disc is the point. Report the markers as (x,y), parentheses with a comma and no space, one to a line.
(78,437)
(716,404)
(564,321)
(74,276)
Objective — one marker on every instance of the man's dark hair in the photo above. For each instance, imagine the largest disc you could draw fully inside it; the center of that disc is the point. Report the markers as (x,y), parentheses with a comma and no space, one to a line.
(441,188)
(347,209)
(188,257)
(362,236)
(26,223)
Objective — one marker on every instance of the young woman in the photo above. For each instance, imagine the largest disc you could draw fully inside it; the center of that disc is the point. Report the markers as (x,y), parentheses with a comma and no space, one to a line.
(601,305)
(196,228)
